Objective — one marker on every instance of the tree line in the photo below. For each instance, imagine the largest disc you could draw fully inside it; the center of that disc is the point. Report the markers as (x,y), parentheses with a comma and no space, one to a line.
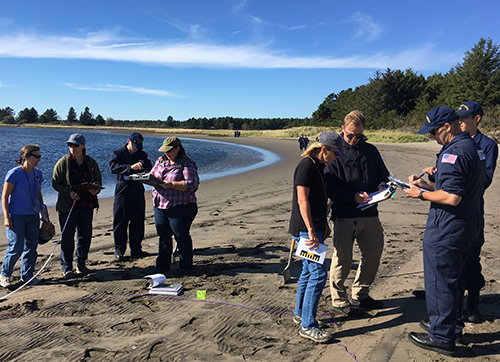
(392,99)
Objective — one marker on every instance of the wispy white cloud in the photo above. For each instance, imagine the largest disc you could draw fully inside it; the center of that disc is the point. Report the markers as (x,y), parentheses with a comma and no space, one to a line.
(106,46)
(368,29)
(122,88)
(296,27)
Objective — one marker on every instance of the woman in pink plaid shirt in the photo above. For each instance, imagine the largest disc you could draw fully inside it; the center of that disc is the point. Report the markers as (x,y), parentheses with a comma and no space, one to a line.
(175,204)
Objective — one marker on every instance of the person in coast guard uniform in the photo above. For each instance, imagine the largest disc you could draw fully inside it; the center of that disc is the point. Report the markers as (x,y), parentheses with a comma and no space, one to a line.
(470,114)
(452,228)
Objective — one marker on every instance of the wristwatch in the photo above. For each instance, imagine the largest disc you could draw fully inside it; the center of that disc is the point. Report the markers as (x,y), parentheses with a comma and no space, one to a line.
(421,195)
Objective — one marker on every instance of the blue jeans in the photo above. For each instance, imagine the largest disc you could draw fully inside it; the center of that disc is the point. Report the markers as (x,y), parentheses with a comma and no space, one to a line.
(175,221)
(22,239)
(81,222)
(311,284)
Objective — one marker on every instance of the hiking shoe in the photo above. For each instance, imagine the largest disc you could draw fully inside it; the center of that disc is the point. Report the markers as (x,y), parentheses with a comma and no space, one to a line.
(5,281)
(69,275)
(341,312)
(316,334)
(82,270)
(139,255)
(369,303)
(298,320)
(33,281)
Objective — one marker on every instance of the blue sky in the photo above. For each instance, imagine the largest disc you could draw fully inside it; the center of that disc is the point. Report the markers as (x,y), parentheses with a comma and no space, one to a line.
(152,59)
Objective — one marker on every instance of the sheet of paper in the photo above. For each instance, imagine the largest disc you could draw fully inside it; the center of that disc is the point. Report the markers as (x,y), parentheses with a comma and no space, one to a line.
(377,197)
(156,279)
(318,255)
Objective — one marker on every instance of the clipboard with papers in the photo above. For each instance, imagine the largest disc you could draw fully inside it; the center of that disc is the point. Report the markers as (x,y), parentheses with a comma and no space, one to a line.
(378,196)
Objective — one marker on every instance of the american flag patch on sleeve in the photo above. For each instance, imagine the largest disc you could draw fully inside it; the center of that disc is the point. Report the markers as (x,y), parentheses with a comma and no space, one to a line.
(447,158)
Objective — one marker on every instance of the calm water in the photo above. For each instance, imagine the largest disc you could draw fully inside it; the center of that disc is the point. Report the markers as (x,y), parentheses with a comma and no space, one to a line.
(213,158)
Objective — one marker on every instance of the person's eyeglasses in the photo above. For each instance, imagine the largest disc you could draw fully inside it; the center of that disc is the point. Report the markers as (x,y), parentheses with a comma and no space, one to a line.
(72,145)
(336,153)
(433,132)
(36,156)
(352,135)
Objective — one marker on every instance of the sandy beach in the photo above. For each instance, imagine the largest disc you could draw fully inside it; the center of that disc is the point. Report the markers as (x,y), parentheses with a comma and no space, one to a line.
(241,247)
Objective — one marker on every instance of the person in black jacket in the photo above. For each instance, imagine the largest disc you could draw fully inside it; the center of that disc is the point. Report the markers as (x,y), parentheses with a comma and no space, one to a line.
(129,206)
(358,171)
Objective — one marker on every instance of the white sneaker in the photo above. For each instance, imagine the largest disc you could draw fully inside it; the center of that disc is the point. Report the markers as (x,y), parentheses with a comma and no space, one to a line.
(316,334)
(5,281)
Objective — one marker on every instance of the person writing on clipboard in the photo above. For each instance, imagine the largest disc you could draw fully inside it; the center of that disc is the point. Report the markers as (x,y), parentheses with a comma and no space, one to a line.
(309,221)
(71,171)
(129,207)
(359,171)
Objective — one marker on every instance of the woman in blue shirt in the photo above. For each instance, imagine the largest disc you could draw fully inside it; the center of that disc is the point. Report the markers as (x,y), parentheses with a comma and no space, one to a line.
(21,203)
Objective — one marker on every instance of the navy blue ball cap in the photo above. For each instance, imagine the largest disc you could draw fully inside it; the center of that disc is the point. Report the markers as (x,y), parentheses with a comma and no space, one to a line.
(470,109)
(76,139)
(437,117)
(136,139)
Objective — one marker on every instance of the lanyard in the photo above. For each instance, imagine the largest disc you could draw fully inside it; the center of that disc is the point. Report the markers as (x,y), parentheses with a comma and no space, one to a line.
(320,175)
(33,199)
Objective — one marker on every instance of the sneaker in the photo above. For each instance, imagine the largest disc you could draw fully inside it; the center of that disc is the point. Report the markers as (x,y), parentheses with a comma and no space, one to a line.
(298,320)
(119,258)
(5,281)
(369,303)
(82,270)
(69,275)
(33,281)
(316,334)
(341,312)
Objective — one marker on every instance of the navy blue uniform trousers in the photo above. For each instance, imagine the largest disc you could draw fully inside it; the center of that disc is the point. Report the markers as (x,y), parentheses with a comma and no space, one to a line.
(128,217)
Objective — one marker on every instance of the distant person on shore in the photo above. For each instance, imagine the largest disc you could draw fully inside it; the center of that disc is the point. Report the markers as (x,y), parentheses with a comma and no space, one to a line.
(306,142)
(453,226)
(72,170)
(309,221)
(359,171)
(21,203)
(301,143)
(175,205)
(129,206)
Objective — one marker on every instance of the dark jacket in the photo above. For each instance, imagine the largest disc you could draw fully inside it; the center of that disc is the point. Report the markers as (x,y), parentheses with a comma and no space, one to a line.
(62,184)
(360,169)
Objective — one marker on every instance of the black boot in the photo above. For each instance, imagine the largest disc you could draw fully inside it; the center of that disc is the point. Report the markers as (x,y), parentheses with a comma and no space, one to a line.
(472,312)
(81,269)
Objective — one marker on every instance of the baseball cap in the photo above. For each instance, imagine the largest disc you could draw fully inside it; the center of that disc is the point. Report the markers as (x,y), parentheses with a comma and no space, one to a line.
(437,117)
(470,109)
(169,143)
(331,139)
(136,139)
(76,139)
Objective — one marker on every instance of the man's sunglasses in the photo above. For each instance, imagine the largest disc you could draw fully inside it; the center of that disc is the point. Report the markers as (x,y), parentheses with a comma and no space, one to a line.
(73,145)
(352,135)
(433,132)
(36,156)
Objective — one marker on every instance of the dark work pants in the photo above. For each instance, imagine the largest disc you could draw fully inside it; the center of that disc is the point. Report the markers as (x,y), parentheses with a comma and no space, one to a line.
(176,222)
(80,221)
(128,217)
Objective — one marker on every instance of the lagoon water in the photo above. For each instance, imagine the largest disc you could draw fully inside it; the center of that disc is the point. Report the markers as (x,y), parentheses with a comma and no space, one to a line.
(213,158)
